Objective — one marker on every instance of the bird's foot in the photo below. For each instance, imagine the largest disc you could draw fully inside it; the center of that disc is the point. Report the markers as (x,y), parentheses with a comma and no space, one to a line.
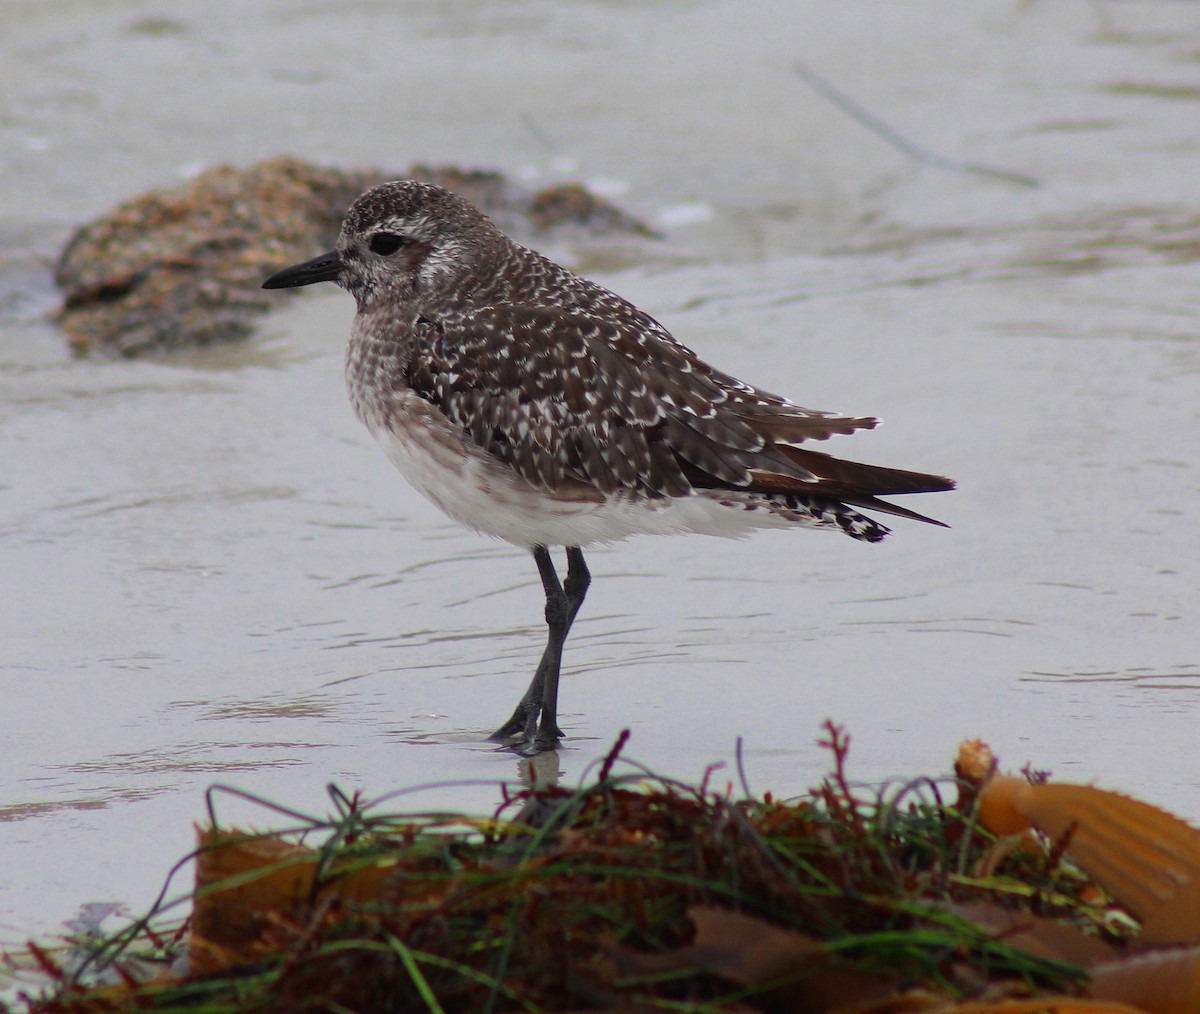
(523,725)
(526,746)
(522,734)
(535,746)
(517,729)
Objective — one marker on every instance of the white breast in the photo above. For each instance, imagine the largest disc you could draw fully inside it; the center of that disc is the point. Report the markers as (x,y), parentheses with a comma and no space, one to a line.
(482,493)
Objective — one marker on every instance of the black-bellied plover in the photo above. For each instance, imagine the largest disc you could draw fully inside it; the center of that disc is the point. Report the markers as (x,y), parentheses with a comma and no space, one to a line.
(536,406)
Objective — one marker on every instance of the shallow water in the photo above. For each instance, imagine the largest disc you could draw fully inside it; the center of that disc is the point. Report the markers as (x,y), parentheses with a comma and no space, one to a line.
(211,575)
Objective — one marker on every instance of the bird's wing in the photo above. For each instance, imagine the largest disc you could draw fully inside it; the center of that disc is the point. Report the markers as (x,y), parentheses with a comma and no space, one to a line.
(777,419)
(543,390)
(567,397)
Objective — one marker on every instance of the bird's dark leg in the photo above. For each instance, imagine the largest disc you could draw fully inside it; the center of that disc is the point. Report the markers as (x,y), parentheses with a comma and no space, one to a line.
(562,606)
(574,590)
(524,717)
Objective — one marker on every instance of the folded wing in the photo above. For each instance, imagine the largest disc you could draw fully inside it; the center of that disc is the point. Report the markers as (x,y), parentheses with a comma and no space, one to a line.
(568,398)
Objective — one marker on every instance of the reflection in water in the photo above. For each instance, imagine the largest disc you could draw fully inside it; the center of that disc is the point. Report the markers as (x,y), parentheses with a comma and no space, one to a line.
(541,771)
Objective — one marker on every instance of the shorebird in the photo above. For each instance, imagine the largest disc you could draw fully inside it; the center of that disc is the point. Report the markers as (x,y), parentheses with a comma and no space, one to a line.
(531,404)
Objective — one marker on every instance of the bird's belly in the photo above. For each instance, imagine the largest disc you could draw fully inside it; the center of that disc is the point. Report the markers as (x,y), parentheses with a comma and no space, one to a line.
(463,481)
(483,493)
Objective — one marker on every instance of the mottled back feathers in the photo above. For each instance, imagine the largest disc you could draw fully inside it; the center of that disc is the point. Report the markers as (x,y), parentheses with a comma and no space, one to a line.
(568,383)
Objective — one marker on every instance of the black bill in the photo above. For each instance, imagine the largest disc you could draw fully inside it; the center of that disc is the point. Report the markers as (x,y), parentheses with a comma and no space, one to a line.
(324,268)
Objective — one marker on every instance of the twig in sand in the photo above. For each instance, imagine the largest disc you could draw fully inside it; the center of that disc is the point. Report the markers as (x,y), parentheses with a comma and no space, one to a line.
(875,124)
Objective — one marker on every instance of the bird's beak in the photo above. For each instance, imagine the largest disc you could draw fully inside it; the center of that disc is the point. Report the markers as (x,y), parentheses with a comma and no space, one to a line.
(320,269)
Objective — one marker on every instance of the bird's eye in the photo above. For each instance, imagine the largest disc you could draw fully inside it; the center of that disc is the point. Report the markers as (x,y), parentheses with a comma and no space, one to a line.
(386,243)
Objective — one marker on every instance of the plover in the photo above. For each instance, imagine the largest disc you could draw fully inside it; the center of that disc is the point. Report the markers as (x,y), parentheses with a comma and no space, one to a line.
(533,405)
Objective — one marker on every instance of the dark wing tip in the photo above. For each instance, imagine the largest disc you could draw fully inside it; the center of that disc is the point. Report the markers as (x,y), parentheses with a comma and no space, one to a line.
(872,503)
(940,484)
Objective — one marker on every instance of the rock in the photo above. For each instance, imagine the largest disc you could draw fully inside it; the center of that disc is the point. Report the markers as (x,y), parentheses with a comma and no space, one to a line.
(184,266)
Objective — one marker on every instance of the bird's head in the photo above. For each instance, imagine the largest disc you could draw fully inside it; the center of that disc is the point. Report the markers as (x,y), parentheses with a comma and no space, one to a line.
(400,241)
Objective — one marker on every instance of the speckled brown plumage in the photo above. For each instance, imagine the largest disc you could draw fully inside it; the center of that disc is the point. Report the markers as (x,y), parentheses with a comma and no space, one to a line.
(537,406)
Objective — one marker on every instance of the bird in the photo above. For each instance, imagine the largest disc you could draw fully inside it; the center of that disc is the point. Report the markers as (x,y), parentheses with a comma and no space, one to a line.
(531,404)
